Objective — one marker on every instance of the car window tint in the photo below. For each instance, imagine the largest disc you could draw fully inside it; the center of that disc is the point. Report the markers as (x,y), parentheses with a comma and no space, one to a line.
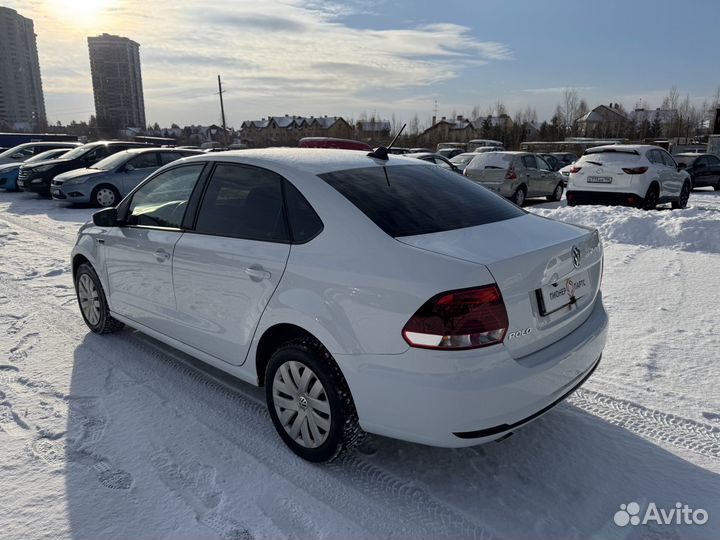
(144,161)
(243,202)
(304,222)
(542,164)
(654,157)
(162,201)
(406,200)
(169,157)
(529,162)
(667,159)
(442,163)
(700,163)
(712,160)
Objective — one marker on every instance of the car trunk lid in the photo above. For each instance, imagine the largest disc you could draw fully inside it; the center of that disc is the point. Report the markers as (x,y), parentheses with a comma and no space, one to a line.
(531,259)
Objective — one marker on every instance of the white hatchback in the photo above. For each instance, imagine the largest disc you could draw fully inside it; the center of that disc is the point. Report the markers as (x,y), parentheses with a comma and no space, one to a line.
(635,175)
(381,295)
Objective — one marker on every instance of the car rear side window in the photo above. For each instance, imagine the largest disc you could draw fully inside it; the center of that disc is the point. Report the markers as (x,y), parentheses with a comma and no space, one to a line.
(406,200)
(304,222)
(243,202)
(712,160)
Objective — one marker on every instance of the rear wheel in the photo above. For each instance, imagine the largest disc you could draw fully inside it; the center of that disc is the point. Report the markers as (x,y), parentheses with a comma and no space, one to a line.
(683,198)
(92,302)
(105,196)
(652,196)
(557,194)
(519,196)
(310,402)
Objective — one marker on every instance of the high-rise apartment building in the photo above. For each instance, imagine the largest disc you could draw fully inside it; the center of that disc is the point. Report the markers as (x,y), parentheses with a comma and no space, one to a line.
(22,105)
(117,82)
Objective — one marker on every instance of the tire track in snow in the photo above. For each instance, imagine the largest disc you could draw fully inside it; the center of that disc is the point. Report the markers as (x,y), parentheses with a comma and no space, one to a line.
(360,491)
(652,424)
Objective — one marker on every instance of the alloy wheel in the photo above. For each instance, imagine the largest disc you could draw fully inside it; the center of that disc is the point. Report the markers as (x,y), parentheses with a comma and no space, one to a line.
(89,297)
(301,404)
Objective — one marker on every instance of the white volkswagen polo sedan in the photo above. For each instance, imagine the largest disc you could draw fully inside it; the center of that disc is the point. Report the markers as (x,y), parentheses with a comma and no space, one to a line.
(386,296)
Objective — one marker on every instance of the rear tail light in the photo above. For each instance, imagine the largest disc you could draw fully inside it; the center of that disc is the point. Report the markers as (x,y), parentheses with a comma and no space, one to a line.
(510,174)
(635,170)
(632,200)
(575,169)
(464,319)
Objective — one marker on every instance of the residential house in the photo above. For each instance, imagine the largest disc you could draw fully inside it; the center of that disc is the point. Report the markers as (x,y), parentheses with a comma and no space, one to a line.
(288,130)
(603,121)
(373,130)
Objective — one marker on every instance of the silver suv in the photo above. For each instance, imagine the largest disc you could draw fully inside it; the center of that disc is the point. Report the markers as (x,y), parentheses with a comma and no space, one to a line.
(516,175)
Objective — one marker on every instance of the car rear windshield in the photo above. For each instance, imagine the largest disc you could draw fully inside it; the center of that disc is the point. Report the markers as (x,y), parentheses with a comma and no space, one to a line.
(407,200)
(491,160)
(610,156)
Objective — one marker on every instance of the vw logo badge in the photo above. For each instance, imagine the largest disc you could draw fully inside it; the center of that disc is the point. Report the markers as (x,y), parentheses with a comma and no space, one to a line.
(576,256)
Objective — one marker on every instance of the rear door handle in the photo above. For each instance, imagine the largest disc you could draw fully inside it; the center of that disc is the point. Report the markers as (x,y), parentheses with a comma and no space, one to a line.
(161,255)
(257,273)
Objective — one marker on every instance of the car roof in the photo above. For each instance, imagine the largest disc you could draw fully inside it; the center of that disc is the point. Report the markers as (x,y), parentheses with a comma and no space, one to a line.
(422,154)
(625,147)
(159,149)
(309,160)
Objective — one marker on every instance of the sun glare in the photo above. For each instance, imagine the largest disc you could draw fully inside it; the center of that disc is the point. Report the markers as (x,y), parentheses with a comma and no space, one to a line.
(82,14)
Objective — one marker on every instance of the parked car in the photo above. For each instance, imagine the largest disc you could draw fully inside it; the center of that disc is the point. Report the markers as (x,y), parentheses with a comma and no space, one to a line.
(477,143)
(458,319)
(461,160)
(450,152)
(551,160)
(634,175)
(23,152)
(331,142)
(565,171)
(565,158)
(516,175)
(483,149)
(36,177)
(9,172)
(106,182)
(704,169)
(432,157)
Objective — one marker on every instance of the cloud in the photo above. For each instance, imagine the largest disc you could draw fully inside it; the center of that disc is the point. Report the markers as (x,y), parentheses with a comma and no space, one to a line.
(294,50)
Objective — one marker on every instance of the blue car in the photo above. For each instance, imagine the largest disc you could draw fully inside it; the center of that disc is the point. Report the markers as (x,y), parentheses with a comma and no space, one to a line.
(9,171)
(106,182)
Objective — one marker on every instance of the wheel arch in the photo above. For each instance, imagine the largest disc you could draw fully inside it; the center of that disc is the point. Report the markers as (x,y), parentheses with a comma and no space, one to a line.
(271,340)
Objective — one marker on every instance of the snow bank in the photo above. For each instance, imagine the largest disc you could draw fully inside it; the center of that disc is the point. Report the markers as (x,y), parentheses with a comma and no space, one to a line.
(696,228)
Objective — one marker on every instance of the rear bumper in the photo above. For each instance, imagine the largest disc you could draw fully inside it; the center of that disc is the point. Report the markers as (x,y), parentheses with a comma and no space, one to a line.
(8,181)
(464,398)
(603,197)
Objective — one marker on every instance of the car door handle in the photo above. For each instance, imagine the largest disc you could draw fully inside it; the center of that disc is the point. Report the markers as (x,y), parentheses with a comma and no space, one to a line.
(257,273)
(161,255)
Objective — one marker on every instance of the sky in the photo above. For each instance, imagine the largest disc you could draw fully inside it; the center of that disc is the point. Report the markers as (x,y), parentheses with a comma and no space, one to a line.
(378,57)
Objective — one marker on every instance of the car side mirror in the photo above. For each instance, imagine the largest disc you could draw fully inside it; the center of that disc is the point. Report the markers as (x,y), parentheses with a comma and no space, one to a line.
(129,167)
(107,217)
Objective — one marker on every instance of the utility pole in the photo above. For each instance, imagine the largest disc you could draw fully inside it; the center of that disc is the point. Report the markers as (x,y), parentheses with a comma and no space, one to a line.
(222,111)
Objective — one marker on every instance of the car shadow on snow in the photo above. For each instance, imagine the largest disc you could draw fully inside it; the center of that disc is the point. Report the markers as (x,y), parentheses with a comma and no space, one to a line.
(29,204)
(160,445)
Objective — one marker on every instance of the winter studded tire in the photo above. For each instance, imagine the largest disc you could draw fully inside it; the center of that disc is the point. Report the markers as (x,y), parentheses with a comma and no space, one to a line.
(92,302)
(683,197)
(650,201)
(309,401)
(557,194)
(105,196)
(519,196)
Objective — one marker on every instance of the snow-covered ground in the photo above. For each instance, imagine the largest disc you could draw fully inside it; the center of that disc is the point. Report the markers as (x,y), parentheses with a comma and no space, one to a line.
(122,437)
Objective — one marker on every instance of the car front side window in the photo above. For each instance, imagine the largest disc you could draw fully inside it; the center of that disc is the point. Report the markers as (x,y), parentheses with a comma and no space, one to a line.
(144,161)
(163,200)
